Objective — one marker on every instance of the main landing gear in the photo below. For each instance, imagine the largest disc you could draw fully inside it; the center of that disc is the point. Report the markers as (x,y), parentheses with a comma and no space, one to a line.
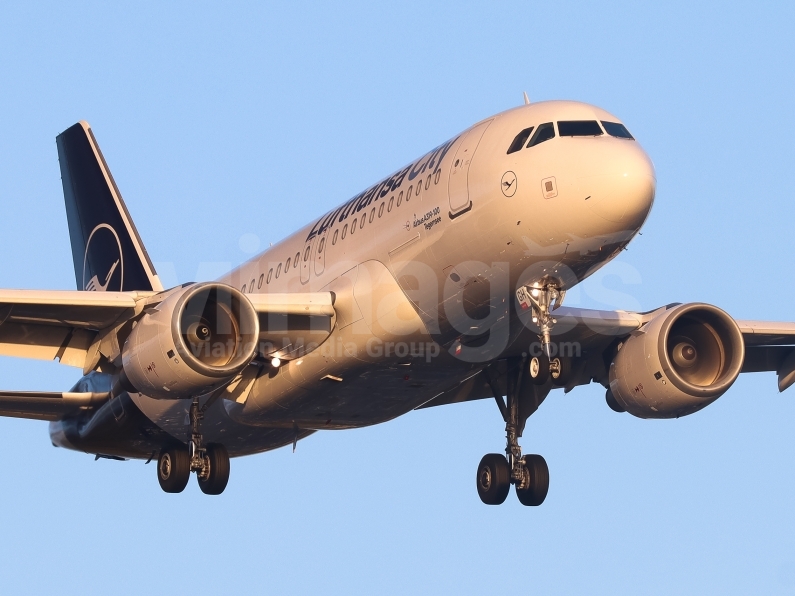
(211,463)
(496,472)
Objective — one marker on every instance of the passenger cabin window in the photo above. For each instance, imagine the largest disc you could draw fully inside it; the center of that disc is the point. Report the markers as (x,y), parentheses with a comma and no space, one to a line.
(261,279)
(614,129)
(278,270)
(287,266)
(296,260)
(579,128)
(543,133)
(520,140)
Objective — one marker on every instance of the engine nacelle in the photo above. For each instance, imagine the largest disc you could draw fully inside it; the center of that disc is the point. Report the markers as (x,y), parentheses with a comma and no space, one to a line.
(679,362)
(193,342)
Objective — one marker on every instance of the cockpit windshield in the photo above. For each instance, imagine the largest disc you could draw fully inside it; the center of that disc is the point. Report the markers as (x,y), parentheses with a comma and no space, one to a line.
(519,141)
(567,128)
(614,129)
(543,133)
(579,128)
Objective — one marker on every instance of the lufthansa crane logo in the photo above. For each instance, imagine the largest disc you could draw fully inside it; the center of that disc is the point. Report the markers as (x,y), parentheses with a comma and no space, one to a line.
(508,184)
(105,259)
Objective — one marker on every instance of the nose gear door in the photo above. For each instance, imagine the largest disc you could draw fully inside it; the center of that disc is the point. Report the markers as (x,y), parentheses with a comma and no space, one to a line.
(458,188)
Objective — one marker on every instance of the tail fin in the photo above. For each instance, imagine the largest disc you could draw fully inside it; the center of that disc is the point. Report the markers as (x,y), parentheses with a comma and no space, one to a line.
(107,251)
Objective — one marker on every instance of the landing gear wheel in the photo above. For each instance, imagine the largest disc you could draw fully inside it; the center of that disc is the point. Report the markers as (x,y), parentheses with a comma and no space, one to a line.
(215,474)
(494,479)
(539,369)
(173,469)
(560,371)
(538,486)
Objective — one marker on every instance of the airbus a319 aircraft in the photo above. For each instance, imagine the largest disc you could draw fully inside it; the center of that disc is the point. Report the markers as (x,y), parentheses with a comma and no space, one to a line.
(441,283)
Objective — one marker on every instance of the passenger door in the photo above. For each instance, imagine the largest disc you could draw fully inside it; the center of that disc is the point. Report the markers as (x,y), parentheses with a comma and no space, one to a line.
(306,260)
(458,188)
(319,252)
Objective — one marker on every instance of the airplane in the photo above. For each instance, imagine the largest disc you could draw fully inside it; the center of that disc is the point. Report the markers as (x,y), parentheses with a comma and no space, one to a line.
(442,283)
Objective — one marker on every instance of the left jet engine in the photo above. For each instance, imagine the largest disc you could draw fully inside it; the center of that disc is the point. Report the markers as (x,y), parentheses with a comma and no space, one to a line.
(679,362)
(192,343)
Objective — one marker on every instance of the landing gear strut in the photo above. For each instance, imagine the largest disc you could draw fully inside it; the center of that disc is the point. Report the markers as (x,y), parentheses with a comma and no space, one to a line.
(529,473)
(211,462)
(542,300)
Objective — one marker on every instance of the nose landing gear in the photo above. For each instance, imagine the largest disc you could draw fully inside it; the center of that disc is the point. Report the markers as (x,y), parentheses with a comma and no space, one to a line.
(529,473)
(211,463)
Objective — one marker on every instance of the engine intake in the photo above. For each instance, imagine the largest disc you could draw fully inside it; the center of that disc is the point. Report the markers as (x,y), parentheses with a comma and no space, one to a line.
(679,362)
(193,342)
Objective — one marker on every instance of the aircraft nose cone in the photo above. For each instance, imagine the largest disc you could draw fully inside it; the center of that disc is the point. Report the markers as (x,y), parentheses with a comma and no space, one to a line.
(620,185)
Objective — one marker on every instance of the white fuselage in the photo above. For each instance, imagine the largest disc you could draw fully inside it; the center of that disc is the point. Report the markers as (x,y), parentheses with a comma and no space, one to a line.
(423,265)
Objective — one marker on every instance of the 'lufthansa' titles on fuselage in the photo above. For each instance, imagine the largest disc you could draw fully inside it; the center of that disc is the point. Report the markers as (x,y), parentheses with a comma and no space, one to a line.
(430,162)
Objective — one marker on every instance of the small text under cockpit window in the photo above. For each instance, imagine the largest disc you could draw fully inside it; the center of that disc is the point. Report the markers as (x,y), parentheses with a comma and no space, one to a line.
(614,129)
(543,133)
(579,128)
(520,140)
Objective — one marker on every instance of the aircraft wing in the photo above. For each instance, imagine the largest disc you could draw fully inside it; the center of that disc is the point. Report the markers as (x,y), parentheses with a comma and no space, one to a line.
(769,347)
(775,340)
(52,324)
(44,405)
(65,325)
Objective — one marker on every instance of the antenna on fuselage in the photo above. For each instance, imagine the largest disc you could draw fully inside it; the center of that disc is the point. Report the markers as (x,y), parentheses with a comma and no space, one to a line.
(526,99)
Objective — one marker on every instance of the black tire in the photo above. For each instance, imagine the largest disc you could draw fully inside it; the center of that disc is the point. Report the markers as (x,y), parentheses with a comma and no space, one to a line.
(494,479)
(536,492)
(173,469)
(564,367)
(216,458)
(538,368)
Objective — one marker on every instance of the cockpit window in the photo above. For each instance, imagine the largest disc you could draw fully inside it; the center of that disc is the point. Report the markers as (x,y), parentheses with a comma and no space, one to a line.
(520,140)
(579,128)
(614,129)
(543,133)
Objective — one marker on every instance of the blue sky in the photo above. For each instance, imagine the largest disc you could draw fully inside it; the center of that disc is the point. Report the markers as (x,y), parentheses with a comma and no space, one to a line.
(231,126)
